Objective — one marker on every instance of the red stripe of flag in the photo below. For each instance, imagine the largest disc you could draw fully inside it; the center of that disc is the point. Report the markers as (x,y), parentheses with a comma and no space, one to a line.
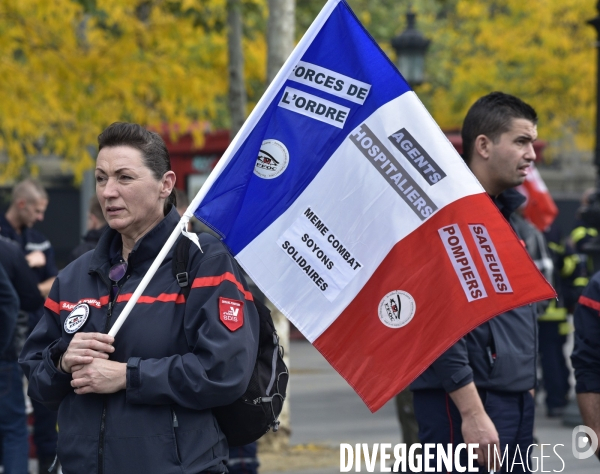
(362,349)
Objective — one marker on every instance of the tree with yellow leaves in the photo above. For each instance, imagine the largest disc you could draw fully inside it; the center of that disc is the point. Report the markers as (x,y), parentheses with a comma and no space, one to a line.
(69,68)
(540,50)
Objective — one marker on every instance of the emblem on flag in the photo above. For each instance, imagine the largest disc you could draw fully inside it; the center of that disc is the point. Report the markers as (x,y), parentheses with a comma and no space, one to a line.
(396,309)
(273,159)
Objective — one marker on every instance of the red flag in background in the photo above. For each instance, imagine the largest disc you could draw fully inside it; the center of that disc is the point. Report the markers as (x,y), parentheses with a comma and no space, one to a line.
(540,208)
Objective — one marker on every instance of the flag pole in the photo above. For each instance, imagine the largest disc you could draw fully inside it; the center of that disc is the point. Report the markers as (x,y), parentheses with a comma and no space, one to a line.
(247,127)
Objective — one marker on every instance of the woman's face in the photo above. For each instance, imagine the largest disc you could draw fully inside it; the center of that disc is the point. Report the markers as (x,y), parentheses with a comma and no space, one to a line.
(132,199)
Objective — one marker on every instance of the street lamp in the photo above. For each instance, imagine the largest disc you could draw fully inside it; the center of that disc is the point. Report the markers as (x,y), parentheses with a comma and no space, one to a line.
(595,22)
(410,47)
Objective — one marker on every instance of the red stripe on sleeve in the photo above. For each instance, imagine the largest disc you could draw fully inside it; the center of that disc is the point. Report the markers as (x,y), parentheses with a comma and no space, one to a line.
(217,280)
(590,303)
(163,298)
(52,305)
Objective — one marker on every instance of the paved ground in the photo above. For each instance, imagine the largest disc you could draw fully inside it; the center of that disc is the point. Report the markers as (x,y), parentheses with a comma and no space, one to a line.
(326,411)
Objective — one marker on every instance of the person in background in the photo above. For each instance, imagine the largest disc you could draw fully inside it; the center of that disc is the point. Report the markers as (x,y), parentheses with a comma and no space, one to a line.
(553,330)
(577,265)
(586,354)
(28,205)
(10,431)
(182,201)
(95,226)
(405,411)
(9,307)
(13,418)
(481,389)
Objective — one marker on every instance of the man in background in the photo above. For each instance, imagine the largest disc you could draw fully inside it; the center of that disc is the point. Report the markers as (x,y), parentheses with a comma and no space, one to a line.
(13,417)
(29,201)
(28,206)
(481,389)
(95,226)
(9,308)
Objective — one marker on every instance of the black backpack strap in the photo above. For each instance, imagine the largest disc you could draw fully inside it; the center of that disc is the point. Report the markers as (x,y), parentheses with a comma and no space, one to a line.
(180,263)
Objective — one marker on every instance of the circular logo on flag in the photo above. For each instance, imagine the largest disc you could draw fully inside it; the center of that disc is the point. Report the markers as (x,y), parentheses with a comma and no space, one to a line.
(397,309)
(273,159)
(77,318)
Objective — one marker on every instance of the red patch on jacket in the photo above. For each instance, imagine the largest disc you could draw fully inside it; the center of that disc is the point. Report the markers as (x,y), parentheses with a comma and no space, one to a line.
(231,313)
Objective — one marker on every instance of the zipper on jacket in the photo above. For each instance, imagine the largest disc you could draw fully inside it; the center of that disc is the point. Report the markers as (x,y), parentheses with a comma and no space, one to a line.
(175,424)
(101,440)
(108,316)
(111,305)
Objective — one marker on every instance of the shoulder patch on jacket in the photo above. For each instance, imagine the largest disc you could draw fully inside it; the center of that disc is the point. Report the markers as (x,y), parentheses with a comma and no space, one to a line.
(77,318)
(231,313)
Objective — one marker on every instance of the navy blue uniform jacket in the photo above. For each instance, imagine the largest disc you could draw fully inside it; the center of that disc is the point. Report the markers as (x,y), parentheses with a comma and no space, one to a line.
(9,307)
(586,352)
(182,360)
(30,240)
(24,282)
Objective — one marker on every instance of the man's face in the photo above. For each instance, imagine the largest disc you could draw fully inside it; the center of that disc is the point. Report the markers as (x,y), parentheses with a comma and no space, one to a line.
(31,211)
(511,156)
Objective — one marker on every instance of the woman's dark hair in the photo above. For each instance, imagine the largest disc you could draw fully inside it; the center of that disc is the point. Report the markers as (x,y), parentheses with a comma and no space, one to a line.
(491,115)
(150,144)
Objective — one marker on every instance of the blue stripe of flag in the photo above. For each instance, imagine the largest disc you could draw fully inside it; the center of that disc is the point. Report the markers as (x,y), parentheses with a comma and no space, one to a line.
(241,205)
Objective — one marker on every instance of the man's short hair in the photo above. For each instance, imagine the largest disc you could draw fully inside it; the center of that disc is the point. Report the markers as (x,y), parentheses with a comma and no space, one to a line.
(491,115)
(95,209)
(28,189)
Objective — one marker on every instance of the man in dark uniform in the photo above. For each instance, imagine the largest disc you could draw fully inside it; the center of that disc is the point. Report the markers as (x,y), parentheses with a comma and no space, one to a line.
(9,307)
(586,354)
(95,226)
(28,205)
(480,390)
(13,418)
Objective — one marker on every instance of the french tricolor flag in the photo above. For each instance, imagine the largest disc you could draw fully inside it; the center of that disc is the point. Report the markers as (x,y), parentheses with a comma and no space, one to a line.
(349,208)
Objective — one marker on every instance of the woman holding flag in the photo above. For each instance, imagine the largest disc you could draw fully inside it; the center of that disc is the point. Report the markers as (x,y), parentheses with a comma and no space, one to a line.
(141,401)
